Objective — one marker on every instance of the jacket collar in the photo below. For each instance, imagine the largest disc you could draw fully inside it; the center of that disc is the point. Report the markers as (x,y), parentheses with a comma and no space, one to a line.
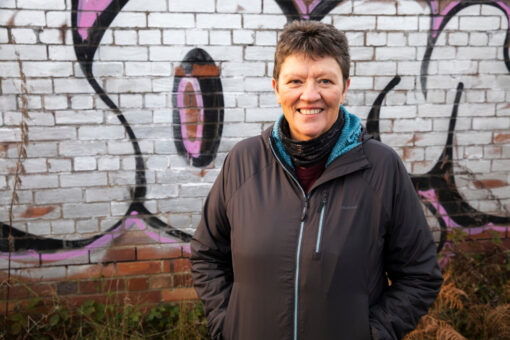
(347,155)
(349,138)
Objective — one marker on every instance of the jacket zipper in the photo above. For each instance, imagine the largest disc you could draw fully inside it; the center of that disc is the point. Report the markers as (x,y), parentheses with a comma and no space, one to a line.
(300,239)
(321,221)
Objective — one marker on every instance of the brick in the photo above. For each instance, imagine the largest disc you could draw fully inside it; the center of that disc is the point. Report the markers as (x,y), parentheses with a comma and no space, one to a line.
(355,23)
(79,117)
(376,68)
(218,37)
(262,114)
(82,102)
(39,181)
(83,179)
(404,23)
(149,37)
(180,294)
(100,132)
(395,53)
(67,288)
(159,282)
(71,210)
(239,6)
(182,280)
(125,37)
(55,102)
(197,37)
(197,6)
(82,148)
(479,23)
(139,283)
(376,38)
(61,53)
(139,268)
(243,36)
(263,21)
(29,18)
(180,266)
(91,271)
(163,251)
(259,53)
(375,8)
(148,69)
(84,163)
(219,21)
(362,53)
(107,194)
(108,163)
(71,85)
(47,69)
(114,285)
(89,287)
(9,69)
(174,37)
(39,227)
(127,53)
(130,19)
(170,20)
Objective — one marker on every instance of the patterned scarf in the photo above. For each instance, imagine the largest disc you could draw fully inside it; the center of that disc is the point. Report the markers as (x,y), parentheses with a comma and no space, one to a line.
(307,153)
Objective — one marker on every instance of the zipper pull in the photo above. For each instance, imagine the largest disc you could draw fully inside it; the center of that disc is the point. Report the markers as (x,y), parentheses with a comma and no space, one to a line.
(305,208)
(324,197)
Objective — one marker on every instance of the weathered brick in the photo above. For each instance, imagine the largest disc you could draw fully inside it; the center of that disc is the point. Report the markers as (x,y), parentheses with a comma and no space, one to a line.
(139,268)
(179,294)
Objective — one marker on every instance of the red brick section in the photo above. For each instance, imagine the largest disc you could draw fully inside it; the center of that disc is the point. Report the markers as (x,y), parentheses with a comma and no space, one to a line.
(489,184)
(144,275)
(32,212)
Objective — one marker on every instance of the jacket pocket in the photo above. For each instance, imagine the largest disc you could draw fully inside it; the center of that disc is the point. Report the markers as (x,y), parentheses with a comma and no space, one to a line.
(321,223)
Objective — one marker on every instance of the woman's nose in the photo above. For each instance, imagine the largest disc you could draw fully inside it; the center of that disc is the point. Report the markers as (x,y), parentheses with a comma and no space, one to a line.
(310,92)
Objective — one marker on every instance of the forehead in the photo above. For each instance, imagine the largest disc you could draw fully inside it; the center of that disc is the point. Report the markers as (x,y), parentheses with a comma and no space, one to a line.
(301,63)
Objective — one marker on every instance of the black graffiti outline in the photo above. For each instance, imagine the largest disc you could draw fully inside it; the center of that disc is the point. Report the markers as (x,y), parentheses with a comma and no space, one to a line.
(441,177)
(85,51)
(211,92)
(319,12)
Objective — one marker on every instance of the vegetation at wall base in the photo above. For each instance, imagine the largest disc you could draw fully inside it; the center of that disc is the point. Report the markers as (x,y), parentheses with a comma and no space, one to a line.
(95,320)
(474,302)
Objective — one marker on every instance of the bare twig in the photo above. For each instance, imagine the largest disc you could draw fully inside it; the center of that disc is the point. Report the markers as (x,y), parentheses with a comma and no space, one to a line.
(20,170)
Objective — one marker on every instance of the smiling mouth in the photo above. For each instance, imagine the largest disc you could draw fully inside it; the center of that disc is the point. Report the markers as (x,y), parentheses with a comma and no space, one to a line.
(309,112)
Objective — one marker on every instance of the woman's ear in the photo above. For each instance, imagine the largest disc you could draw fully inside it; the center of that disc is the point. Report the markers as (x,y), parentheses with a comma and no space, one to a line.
(346,86)
(275,88)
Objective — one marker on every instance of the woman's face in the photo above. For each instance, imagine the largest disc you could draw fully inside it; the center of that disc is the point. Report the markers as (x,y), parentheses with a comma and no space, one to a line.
(310,92)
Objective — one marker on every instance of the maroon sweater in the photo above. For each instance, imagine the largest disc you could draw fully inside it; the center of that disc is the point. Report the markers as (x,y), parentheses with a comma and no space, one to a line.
(308,175)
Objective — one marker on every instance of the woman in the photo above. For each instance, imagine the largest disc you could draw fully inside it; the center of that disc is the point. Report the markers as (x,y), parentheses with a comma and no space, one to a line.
(304,221)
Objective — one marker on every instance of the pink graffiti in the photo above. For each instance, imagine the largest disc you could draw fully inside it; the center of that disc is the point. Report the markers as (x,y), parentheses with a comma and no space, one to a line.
(438,18)
(102,242)
(193,147)
(88,11)
(431,197)
(305,9)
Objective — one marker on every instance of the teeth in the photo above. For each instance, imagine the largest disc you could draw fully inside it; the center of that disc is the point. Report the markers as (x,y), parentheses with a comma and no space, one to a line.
(310,112)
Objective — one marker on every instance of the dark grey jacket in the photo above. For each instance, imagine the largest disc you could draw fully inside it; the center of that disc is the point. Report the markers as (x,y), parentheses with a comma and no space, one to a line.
(271,262)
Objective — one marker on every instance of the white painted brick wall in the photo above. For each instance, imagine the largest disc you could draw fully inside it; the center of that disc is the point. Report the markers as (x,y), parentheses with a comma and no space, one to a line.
(81,161)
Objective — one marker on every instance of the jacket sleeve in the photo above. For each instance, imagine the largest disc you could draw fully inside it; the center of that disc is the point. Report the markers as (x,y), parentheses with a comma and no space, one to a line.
(410,262)
(211,264)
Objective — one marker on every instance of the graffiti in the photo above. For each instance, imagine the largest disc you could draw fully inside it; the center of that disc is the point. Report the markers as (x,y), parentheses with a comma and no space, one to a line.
(307,9)
(198,115)
(437,188)
(198,108)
